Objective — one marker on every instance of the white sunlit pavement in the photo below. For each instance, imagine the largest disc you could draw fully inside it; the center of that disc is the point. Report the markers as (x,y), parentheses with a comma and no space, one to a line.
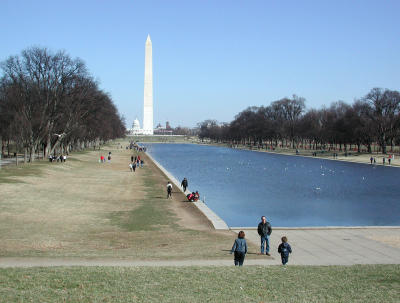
(333,246)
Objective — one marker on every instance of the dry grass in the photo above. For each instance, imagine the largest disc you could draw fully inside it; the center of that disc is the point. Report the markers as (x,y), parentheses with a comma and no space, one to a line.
(84,208)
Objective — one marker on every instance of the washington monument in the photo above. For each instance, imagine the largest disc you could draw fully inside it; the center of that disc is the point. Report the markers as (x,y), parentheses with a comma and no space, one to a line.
(148,89)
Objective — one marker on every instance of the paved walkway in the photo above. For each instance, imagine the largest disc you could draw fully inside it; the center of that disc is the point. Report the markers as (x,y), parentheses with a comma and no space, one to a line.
(325,246)
(50,262)
(333,246)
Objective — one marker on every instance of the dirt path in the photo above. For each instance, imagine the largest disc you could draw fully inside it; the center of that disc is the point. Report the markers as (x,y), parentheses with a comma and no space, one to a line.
(46,262)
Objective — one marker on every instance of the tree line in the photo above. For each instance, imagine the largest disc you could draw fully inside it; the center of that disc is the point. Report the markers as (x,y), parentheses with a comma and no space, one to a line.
(50,102)
(372,119)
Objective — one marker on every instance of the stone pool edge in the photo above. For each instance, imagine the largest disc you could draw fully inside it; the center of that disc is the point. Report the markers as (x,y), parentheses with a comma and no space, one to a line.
(216,221)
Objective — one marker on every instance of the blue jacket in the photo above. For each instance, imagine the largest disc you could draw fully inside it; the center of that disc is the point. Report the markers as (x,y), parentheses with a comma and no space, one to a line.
(284,249)
(239,245)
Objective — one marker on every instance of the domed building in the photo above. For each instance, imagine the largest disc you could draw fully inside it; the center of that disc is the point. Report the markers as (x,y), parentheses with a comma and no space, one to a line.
(135,130)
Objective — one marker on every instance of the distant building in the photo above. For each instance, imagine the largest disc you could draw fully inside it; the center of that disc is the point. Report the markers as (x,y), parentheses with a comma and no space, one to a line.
(135,130)
(167,131)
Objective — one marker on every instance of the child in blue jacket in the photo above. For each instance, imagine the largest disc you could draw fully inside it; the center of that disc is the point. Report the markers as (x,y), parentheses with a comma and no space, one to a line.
(284,249)
(239,248)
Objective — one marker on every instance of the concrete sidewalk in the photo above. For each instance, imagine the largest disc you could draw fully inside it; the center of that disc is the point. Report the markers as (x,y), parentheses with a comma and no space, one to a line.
(314,246)
(332,246)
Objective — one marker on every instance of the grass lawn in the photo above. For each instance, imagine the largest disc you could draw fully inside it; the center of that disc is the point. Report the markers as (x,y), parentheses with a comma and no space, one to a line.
(83,208)
(368,283)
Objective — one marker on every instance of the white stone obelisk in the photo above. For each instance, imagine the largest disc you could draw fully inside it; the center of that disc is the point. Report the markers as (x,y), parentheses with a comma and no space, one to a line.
(148,89)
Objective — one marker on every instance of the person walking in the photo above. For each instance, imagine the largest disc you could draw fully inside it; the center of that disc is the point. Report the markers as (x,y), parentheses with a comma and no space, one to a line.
(184,184)
(169,190)
(131,167)
(264,230)
(284,249)
(239,249)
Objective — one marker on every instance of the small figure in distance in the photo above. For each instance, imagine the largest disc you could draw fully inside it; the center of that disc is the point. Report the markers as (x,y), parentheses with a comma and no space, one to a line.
(134,166)
(371,159)
(169,190)
(131,167)
(184,184)
(284,249)
(264,229)
(239,249)
(196,196)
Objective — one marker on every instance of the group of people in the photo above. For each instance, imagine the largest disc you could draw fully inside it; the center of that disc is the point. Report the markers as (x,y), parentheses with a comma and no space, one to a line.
(60,158)
(133,145)
(135,162)
(264,229)
(192,197)
(390,157)
(103,159)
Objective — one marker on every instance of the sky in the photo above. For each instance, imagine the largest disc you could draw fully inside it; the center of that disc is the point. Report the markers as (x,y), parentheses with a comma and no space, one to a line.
(214,58)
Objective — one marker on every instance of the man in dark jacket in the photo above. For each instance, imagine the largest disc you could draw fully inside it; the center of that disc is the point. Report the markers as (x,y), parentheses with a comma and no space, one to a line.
(184,184)
(264,230)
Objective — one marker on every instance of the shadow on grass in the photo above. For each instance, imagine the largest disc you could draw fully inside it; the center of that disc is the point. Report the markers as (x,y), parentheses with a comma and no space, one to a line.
(12,174)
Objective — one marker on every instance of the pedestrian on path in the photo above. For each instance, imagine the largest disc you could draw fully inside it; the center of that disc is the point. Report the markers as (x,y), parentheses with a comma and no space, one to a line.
(131,167)
(284,249)
(264,230)
(239,249)
(169,190)
(184,184)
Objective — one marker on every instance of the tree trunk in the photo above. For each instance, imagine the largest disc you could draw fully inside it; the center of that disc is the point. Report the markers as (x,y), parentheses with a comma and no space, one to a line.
(48,145)
(3,146)
(25,155)
(383,144)
(32,153)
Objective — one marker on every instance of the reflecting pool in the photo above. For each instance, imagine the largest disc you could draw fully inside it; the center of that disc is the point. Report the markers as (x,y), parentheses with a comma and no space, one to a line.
(240,186)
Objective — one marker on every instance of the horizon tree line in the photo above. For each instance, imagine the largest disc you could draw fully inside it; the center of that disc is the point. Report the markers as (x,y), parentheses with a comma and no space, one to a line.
(372,119)
(50,102)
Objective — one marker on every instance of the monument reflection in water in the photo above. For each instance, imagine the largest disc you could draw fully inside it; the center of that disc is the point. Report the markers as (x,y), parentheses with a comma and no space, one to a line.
(240,186)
